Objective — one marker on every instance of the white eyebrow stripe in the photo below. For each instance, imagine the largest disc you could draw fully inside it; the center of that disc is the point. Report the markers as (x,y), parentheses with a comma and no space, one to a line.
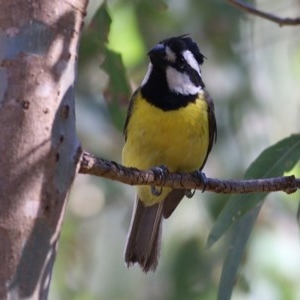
(191,60)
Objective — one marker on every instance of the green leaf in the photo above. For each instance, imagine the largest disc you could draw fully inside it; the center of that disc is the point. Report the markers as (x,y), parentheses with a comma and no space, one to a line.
(243,210)
(95,37)
(240,235)
(272,162)
(93,42)
(118,92)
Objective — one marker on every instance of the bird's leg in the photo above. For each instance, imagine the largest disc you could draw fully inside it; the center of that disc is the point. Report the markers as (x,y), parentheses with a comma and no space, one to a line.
(202,176)
(203,179)
(159,172)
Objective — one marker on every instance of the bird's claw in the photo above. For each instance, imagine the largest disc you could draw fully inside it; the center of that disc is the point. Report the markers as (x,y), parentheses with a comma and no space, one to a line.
(156,191)
(189,193)
(203,179)
(159,172)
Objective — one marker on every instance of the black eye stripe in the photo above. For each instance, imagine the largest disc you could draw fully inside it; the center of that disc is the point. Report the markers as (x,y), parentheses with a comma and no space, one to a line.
(195,78)
(182,43)
(182,59)
(185,68)
(182,65)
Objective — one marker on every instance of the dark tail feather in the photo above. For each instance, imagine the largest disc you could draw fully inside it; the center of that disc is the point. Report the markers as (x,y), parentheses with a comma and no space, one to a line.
(171,202)
(143,242)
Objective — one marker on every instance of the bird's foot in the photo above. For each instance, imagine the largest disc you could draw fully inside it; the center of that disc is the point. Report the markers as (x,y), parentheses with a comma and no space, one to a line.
(203,179)
(159,172)
(156,190)
(189,193)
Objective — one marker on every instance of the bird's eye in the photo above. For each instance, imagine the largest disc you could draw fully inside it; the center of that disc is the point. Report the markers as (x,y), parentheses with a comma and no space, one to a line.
(181,62)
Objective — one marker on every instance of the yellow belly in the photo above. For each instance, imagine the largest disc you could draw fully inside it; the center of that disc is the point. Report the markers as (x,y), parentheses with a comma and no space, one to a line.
(177,139)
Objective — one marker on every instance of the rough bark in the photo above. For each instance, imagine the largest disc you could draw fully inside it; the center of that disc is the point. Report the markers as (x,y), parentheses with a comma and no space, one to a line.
(38,144)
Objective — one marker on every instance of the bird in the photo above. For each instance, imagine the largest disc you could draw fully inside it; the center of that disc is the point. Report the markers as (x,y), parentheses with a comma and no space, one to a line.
(170,125)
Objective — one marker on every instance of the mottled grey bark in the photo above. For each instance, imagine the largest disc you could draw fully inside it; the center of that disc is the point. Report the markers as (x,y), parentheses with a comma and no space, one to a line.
(39,150)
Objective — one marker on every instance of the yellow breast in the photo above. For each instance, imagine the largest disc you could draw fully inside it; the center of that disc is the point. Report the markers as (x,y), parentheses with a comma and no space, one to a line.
(177,139)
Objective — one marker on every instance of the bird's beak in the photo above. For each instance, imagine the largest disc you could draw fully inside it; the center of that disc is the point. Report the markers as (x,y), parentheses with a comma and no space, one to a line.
(157,54)
(159,49)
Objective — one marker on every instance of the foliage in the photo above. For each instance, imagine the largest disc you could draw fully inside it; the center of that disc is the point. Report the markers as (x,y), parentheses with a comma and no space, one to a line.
(242,211)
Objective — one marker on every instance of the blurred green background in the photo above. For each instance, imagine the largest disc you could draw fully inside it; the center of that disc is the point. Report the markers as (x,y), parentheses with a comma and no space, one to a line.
(253,73)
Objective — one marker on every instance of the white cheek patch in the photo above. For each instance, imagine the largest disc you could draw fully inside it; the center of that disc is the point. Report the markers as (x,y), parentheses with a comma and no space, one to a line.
(146,78)
(191,60)
(170,55)
(180,83)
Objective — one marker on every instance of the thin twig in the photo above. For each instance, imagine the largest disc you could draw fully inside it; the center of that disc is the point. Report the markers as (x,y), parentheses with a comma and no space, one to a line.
(114,171)
(252,10)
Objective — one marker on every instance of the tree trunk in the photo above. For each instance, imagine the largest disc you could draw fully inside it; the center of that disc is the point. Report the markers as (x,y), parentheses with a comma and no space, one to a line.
(39,150)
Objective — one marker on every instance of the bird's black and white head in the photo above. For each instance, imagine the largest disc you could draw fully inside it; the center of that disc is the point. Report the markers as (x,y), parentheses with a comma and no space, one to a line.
(173,73)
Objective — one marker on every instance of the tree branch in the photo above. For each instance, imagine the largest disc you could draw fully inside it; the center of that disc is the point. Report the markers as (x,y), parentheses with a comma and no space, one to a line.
(114,171)
(252,10)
